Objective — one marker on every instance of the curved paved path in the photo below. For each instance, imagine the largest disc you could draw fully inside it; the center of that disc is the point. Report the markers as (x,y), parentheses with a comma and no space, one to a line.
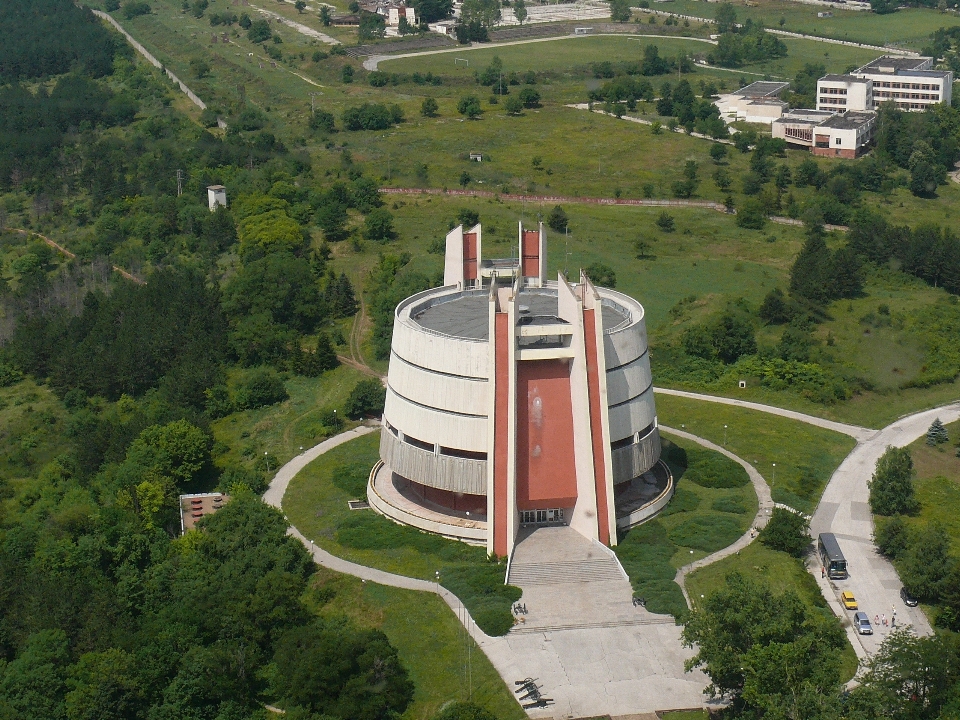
(604,666)
(855,431)
(373,61)
(763,511)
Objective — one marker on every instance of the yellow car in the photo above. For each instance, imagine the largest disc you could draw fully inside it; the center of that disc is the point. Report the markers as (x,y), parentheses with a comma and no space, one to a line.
(848,600)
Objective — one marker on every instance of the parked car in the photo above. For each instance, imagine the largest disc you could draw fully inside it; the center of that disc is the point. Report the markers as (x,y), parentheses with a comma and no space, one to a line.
(862,623)
(848,600)
(908,599)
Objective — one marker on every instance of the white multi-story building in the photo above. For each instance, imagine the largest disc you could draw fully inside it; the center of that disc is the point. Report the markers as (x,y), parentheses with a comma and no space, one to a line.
(909,82)
(839,93)
(827,134)
(758,102)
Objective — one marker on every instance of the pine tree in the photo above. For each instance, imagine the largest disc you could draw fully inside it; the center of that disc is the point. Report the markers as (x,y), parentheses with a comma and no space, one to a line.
(326,357)
(937,434)
(809,277)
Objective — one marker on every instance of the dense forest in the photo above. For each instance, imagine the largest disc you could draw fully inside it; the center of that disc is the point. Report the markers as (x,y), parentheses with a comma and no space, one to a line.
(102,613)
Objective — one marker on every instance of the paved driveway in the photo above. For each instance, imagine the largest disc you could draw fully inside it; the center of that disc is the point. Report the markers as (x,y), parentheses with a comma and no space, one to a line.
(844,511)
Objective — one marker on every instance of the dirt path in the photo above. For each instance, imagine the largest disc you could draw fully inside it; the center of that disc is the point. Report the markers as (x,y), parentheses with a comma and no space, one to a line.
(62,250)
(559,199)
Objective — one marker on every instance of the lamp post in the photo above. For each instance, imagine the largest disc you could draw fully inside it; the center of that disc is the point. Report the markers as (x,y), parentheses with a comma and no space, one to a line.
(724,435)
(774,474)
(266,459)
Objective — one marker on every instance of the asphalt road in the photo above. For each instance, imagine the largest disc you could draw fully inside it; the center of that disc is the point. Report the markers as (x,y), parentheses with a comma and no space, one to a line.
(844,511)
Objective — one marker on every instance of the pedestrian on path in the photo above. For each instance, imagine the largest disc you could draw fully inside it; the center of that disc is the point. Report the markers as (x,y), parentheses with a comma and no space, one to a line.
(823,572)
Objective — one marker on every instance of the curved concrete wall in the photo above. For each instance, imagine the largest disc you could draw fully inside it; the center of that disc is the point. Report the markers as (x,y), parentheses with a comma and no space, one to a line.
(452,393)
(634,460)
(641,515)
(632,416)
(471,535)
(629,381)
(463,432)
(434,470)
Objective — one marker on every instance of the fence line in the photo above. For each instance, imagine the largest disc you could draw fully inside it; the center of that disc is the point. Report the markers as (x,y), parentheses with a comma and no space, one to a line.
(194,98)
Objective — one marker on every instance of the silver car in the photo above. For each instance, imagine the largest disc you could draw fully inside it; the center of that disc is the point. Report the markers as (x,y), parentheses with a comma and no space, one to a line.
(862,623)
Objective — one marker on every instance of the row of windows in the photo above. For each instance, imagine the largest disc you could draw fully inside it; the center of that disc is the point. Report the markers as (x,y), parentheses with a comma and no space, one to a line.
(909,96)
(906,86)
(833,91)
(833,101)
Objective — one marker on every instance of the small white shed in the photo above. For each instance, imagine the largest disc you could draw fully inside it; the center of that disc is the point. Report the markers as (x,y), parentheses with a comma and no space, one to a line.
(216,195)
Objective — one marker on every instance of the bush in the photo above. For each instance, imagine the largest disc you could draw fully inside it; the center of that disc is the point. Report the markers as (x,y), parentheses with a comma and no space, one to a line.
(135,9)
(429,107)
(557,220)
(787,532)
(666,222)
(729,505)
(706,532)
(891,537)
(366,399)
(712,470)
(469,106)
(601,274)
(352,479)
(752,215)
(234,479)
(378,226)
(464,711)
(322,121)
(260,387)
(9,375)
(683,501)
(372,116)
(645,554)
(480,587)
(378,78)
(259,31)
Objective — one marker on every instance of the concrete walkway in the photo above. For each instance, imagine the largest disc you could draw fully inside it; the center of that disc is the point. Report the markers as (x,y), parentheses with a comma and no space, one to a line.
(373,61)
(844,510)
(591,660)
(299,27)
(855,431)
(763,511)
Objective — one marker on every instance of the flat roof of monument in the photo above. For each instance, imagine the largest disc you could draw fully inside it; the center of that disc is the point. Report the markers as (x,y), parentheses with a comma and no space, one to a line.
(465,315)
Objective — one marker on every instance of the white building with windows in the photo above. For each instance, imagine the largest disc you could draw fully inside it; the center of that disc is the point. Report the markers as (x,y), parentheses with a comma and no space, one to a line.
(911,83)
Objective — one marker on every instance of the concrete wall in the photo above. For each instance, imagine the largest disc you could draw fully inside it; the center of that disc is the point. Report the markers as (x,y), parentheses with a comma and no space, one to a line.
(632,416)
(634,460)
(436,470)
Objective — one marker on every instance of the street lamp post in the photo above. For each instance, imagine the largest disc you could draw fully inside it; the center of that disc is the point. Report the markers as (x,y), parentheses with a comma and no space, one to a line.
(724,435)
(266,459)
(774,473)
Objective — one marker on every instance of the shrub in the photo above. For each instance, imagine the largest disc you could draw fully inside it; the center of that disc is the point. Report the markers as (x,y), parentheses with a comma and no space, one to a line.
(322,121)
(786,531)
(729,505)
(378,78)
(260,387)
(429,107)
(378,226)
(645,554)
(666,222)
(557,220)
(712,470)
(480,587)
(9,375)
(464,711)
(135,9)
(259,31)
(683,501)
(469,106)
(706,532)
(234,479)
(352,479)
(891,537)
(601,274)
(372,116)
(366,399)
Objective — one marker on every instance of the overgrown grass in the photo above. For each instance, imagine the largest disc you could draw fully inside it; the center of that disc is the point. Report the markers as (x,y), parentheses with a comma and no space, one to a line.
(777,570)
(805,455)
(316,503)
(690,527)
(32,422)
(429,639)
(936,484)
(282,429)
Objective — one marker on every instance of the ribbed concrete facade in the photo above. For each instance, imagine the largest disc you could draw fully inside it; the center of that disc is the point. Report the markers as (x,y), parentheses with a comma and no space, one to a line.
(492,392)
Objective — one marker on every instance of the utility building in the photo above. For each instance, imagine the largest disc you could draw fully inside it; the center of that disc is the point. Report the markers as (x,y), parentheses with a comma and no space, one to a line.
(515,401)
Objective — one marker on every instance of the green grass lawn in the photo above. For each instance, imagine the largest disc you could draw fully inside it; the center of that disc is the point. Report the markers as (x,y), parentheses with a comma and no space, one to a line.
(909,28)
(777,570)
(284,428)
(937,483)
(316,503)
(806,455)
(429,639)
(698,521)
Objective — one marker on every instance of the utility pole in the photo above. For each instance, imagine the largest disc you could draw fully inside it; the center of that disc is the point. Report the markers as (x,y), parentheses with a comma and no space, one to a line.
(179,183)
(313,98)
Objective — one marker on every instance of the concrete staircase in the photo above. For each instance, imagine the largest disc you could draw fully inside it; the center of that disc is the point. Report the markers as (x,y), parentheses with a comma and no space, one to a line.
(564,573)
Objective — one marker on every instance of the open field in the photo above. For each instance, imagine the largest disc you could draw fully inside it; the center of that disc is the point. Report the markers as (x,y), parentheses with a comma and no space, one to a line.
(429,640)
(937,483)
(777,570)
(805,455)
(909,27)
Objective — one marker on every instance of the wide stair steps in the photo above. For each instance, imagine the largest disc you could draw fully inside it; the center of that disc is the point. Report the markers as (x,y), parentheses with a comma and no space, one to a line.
(599,569)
